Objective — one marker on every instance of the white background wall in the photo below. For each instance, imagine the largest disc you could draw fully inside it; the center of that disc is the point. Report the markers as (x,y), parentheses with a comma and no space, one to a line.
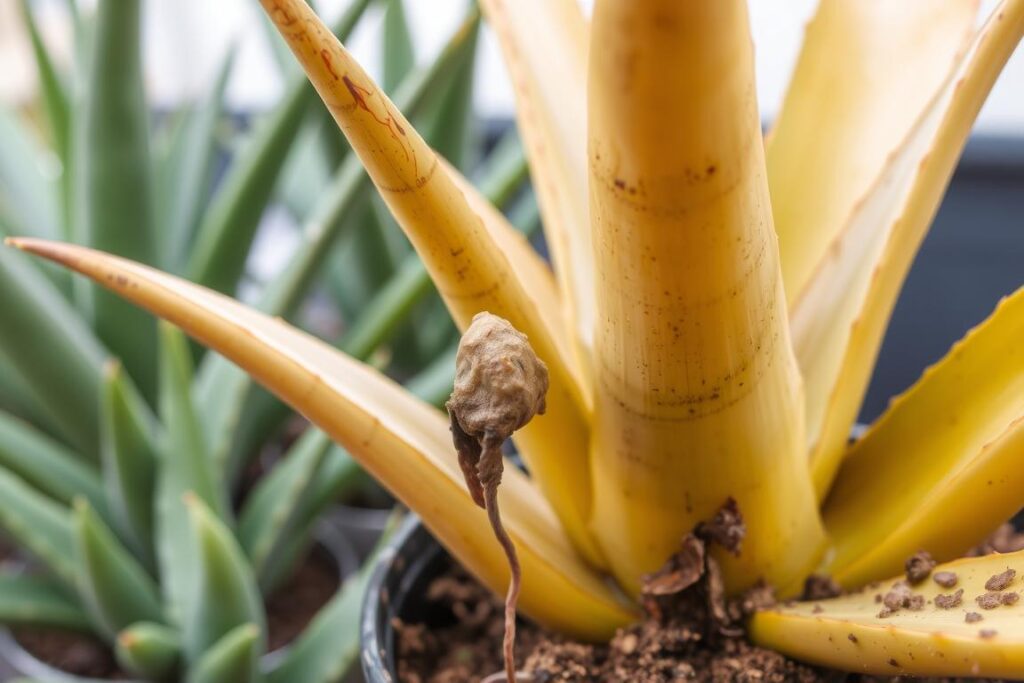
(185,40)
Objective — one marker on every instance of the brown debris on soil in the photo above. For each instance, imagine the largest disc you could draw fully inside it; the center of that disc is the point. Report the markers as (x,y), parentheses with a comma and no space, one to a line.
(919,567)
(289,610)
(75,653)
(294,604)
(500,384)
(683,642)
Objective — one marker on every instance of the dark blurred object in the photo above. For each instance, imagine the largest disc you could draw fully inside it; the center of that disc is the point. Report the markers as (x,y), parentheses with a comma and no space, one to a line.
(973,256)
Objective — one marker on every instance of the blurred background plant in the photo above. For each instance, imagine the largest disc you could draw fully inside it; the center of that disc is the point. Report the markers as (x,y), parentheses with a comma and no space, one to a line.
(190,190)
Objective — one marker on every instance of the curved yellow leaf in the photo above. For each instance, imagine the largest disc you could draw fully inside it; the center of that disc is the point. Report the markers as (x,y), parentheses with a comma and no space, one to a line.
(400,440)
(460,251)
(699,396)
(544,44)
(846,633)
(839,321)
(866,72)
(953,442)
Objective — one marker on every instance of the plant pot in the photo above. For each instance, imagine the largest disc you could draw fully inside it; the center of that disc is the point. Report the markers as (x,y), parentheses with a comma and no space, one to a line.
(362,526)
(404,569)
(20,662)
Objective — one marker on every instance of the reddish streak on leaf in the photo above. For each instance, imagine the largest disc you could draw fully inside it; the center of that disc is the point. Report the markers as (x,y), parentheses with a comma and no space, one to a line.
(326,57)
(359,95)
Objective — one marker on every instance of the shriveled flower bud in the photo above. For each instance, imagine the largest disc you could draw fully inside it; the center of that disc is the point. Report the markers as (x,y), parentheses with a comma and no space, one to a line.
(500,384)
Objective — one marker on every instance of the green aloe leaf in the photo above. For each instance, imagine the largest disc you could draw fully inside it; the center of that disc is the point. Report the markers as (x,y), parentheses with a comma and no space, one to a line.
(224,594)
(18,398)
(184,467)
(38,524)
(53,350)
(184,191)
(47,465)
(330,644)
(149,650)
(57,107)
(338,475)
(128,454)
(235,658)
(447,122)
(113,170)
(434,383)
(229,226)
(28,197)
(35,601)
(271,511)
(399,54)
(112,585)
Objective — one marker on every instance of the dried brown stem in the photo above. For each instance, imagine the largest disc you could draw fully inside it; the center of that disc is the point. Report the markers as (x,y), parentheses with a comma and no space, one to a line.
(491,461)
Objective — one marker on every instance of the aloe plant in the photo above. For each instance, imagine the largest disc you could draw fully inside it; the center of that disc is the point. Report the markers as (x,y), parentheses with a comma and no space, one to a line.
(119,464)
(719,304)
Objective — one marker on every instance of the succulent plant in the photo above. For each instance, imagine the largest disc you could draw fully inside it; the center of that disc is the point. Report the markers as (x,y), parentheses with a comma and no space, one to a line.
(103,439)
(718,308)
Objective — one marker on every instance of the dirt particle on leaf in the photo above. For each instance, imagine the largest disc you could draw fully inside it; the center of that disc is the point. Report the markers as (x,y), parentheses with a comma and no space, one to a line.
(945,579)
(972,617)
(918,567)
(1000,582)
(915,603)
(987,633)
(1009,598)
(822,587)
(898,596)
(893,662)
(989,600)
(852,638)
(949,601)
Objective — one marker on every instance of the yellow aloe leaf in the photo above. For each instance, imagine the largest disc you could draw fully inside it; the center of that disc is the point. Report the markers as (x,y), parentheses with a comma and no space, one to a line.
(400,440)
(544,44)
(839,321)
(953,442)
(699,396)
(847,633)
(459,249)
(848,107)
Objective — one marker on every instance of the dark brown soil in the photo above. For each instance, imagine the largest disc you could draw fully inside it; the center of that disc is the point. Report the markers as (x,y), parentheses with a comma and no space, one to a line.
(289,610)
(293,605)
(691,634)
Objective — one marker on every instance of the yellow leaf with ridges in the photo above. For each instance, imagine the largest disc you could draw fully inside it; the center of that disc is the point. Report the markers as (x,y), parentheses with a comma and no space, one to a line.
(942,467)
(545,44)
(846,633)
(848,108)
(457,246)
(698,396)
(839,322)
(400,440)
